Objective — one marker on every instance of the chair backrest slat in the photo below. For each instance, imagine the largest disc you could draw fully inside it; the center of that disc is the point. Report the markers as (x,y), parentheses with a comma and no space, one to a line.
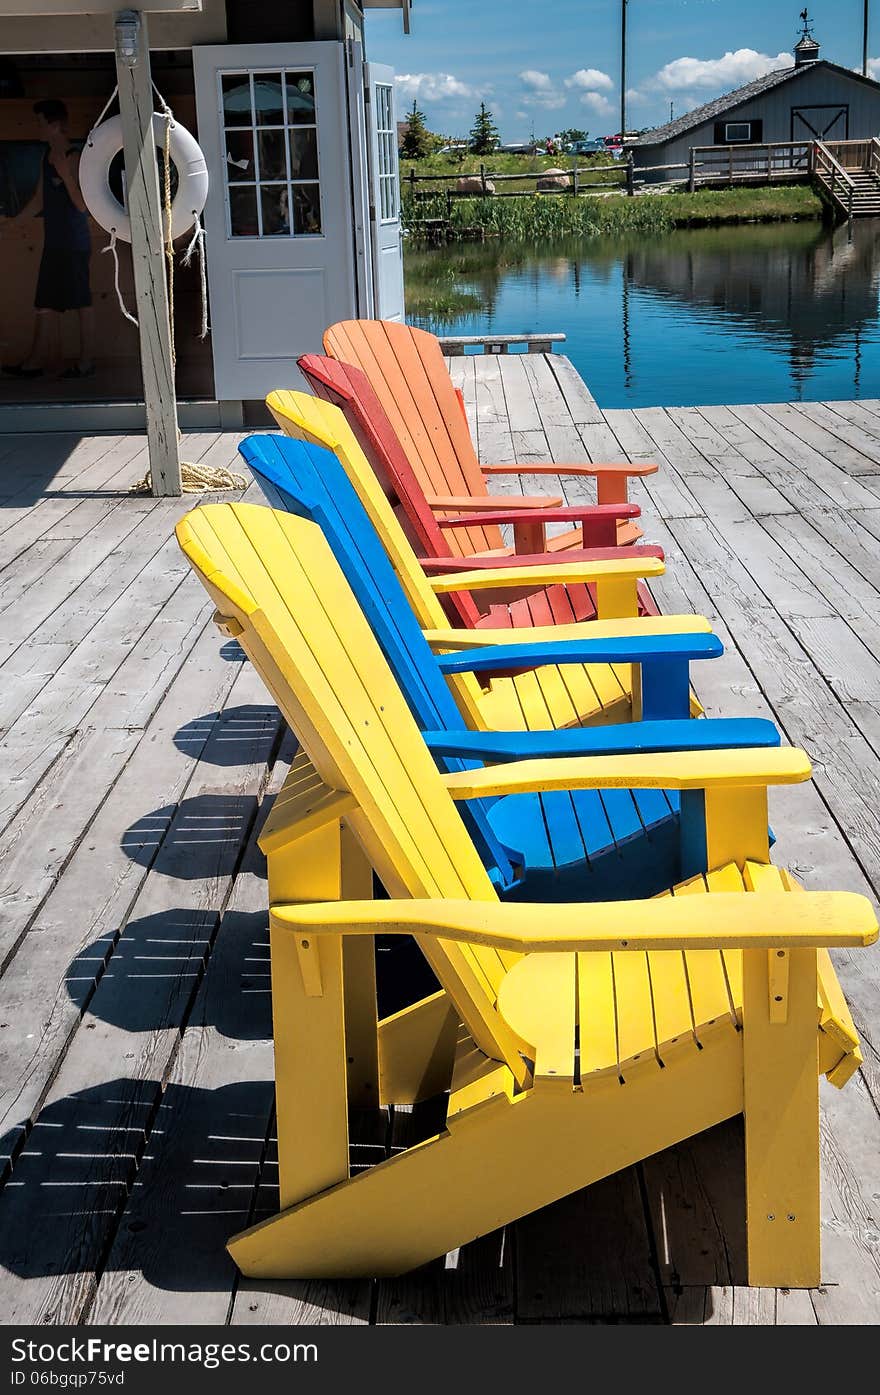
(311,419)
(276,576)
(310,481)
(409,375)
(350,390)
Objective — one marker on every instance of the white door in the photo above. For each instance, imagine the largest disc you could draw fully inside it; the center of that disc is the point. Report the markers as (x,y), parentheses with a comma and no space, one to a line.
(387,234)
(273,125)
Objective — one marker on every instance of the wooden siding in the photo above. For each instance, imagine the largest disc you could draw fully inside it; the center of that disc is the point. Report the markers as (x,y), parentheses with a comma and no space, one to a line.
(816,87)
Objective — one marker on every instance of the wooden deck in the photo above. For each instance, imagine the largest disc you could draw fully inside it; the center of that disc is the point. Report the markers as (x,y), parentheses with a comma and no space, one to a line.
(138,758)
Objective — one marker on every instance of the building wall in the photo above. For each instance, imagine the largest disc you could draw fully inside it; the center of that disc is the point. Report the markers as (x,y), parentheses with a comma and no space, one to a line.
(815,87)
(83,78)
(84,83)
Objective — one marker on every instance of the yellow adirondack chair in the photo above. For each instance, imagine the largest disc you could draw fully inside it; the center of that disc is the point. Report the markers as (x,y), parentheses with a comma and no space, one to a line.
(574,1040)
(547,697)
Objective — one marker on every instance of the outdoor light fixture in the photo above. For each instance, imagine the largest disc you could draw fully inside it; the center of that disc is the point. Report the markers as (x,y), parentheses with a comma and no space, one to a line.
(127,25)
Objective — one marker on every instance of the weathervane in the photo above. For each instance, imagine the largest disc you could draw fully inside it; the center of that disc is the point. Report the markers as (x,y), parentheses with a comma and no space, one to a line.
(807,30)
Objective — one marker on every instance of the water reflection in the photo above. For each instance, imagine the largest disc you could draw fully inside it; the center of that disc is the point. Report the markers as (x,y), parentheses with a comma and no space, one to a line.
(749,313)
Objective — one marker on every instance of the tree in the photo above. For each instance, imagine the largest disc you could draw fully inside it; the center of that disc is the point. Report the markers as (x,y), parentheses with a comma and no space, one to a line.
(484,133)
(570,135)
(417,141)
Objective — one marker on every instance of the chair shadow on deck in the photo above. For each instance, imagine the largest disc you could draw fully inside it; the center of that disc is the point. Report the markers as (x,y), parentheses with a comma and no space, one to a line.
(147,976)
(235,736)
(171,1177)
(197,838)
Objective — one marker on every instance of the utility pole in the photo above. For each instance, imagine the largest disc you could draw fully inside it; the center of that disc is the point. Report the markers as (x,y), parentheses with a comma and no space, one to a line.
(865,41)
(623,4)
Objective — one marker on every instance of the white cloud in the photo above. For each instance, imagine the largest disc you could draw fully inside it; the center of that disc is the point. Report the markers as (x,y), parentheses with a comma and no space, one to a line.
(536,81)
(874,69)
(540,90)
(590,79)
(596,102)
(433,87)
(733,69)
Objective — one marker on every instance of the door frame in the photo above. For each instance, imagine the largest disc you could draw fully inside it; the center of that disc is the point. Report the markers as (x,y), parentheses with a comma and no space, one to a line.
(209,61)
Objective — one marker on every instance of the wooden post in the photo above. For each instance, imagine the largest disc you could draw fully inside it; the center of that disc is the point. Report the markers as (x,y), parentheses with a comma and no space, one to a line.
(781,1106)
(692,169)
(630,177)
(147,251)
(483,178)
(574,177)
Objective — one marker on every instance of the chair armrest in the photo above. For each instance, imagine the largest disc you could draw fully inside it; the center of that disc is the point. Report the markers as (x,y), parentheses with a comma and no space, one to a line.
(685,770)
(549,573)
(566,513)
(539,559)
(598,522)
(611,478)
(513,503)
(770,920)
(621,467)
(617,591)
(715,733)
(625,649)
(586,629)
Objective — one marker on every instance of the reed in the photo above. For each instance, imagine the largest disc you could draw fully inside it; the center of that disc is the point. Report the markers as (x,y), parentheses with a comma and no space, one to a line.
(538,217)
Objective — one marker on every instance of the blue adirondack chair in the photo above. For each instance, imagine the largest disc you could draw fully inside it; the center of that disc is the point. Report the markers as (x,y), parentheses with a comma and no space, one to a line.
(560,845)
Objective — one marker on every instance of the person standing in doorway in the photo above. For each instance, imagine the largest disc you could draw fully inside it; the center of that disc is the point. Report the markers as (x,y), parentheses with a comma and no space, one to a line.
(63,277)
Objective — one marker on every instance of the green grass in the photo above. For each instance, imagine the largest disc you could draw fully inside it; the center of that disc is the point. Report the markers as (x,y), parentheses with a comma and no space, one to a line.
(539,217)
(506,164)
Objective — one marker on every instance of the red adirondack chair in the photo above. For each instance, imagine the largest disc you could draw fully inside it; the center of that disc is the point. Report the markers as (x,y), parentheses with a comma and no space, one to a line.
(409,376)
(348,389)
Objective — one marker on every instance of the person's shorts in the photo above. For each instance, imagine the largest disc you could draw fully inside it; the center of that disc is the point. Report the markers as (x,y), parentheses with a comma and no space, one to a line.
(63,280)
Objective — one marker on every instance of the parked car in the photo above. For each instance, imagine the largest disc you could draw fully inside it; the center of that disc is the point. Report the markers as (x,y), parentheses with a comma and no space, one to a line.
(585,147)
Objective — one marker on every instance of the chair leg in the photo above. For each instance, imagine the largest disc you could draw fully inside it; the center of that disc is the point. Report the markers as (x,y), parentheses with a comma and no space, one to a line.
(308,1011)
(359,975)
(781,1105)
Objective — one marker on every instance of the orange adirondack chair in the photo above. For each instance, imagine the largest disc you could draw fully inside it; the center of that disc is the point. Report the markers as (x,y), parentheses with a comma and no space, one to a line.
(409,376)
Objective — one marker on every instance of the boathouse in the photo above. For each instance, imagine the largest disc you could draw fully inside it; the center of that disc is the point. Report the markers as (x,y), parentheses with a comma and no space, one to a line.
(813,100)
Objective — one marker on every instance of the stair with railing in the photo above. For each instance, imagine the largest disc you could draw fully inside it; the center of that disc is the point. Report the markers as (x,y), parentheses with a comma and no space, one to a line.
(853,182)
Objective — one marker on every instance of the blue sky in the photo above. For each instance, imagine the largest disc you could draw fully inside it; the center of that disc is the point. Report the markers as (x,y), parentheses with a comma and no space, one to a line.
(557,64)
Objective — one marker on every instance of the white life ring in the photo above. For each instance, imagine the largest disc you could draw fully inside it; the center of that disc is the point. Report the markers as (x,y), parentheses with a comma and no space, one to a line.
(101,148)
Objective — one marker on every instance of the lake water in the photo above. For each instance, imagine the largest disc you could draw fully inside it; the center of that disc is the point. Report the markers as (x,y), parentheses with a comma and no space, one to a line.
(781,312)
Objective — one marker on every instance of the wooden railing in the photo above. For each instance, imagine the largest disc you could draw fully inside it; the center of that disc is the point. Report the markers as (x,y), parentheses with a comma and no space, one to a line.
(874,156)
(738,164)
(454,345)
(834,177)
(707,164)
(849,154)
(576,181)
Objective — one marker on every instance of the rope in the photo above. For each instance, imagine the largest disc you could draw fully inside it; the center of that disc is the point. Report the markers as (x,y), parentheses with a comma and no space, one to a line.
(197,479)
(198,237)
(108,104)
(111,247)
(169,244)
(198,244)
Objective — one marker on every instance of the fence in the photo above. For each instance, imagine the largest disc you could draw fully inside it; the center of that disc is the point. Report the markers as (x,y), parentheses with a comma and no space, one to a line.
(574,181)
(706,165)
